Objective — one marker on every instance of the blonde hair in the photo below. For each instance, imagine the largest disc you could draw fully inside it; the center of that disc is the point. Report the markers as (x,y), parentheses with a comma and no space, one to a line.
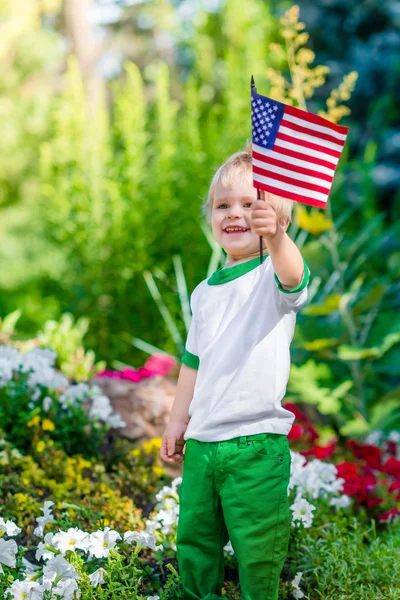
(238,164)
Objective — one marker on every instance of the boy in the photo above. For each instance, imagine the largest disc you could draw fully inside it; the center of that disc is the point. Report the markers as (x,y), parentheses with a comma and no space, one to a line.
(227,407)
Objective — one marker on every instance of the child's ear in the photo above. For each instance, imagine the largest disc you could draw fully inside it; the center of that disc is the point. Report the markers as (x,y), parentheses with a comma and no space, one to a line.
(284,222)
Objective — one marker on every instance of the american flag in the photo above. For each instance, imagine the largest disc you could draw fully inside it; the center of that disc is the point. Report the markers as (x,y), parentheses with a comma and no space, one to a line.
(295,153)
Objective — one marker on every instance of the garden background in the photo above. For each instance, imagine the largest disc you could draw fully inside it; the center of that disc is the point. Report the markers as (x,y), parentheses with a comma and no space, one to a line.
(115,114)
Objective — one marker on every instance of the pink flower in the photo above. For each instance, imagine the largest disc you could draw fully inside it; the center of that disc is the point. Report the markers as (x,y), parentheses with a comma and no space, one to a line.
(108,373)
(160,364)
(145,373)
(131,375)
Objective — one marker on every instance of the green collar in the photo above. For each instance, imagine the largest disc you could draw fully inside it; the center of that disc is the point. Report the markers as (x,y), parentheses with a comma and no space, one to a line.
(224,275)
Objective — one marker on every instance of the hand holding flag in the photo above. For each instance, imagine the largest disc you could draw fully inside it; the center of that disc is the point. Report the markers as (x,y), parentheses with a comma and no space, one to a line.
(295,153)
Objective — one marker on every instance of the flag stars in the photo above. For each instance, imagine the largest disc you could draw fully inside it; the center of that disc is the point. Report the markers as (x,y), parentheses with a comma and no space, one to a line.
(275,108)
(270,125)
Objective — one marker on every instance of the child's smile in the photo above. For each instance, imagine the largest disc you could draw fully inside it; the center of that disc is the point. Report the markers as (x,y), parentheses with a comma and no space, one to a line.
(230,218)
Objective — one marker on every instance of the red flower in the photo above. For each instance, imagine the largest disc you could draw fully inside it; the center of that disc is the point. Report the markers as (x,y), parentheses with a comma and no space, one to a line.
(372,454)
(389,514)
(395,486)
(295,432)
(325,451)
(296,411)
(391,448)
(374,502)
(307,452)
(347,470)
(392,467)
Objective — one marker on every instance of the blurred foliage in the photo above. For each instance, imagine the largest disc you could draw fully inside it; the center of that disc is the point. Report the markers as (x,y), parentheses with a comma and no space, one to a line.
(111,189)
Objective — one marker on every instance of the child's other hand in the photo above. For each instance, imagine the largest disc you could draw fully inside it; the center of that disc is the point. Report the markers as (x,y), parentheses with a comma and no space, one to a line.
(263,218)
(173,442)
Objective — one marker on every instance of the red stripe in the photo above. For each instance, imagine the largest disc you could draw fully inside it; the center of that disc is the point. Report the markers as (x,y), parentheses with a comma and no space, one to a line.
(289,195)
(292,181)
(306,157)
(290,167)
(312,132)
(293,140)
(311,118)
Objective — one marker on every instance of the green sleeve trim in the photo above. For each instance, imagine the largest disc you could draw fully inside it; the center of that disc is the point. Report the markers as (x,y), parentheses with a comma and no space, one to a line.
(191,360)
(302,284)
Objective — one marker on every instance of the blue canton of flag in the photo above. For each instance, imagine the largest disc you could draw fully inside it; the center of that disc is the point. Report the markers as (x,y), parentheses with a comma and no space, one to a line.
(266,118)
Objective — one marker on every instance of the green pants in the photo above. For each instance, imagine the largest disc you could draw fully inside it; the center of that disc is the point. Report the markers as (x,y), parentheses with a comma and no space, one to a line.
(234,490)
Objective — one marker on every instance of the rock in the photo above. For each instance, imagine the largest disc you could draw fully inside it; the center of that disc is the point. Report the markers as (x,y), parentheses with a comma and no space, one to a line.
(144,406)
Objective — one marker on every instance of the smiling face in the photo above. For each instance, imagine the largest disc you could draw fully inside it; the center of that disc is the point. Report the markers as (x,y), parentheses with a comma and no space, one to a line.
(231,210)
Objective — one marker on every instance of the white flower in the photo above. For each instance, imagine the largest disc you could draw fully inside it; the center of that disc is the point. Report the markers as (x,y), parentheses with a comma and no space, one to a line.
(6,371)
(228,547)
(317,478)
(30,568)
(47,402)
(341,502)
(142,538)
(302,511)
(75,393)
(8,550)
(153,598)
(116,421)
(101,542)
(67,589)
(42,552)
(297,593)
(102,409)
(71,539)
(97,577)
(47,518)
(58,569)
(29,590)
(9,527)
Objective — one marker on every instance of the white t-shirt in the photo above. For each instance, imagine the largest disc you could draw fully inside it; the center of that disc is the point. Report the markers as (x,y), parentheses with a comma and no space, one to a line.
(242,325)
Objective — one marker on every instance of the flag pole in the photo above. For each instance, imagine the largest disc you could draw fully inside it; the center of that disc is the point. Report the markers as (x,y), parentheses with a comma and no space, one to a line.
(253,88)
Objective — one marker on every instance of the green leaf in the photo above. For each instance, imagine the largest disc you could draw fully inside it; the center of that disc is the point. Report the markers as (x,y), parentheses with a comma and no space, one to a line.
(355,427)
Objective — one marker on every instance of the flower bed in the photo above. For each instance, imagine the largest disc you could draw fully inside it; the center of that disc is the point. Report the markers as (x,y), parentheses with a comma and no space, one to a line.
(81,518)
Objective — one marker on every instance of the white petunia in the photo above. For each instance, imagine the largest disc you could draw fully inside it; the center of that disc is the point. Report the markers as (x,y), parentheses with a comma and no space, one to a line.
(42,552)
(71,539)
(316,477)
(97,578)
(58,569)
(8,550)
(228,547)
(67,589)
(297,593)
(47,518)
(30,568)
(29,590)
(9,527)
(341,502)
(142,539)
(302,511)
(101,542)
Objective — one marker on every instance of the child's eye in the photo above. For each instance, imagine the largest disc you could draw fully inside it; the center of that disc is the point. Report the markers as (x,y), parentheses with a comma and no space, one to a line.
(221,205)
(249,203)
